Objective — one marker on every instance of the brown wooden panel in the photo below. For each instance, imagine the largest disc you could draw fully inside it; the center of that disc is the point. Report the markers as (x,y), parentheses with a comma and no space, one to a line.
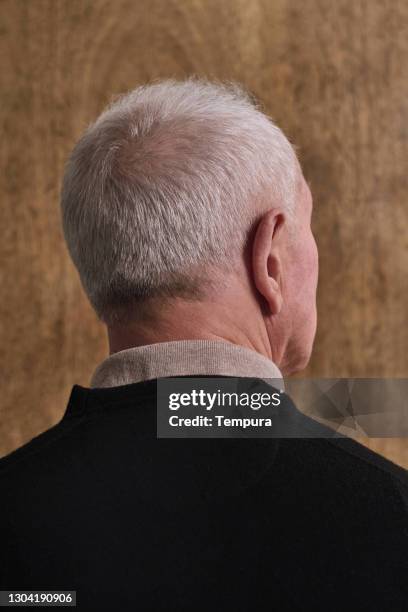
(332,74)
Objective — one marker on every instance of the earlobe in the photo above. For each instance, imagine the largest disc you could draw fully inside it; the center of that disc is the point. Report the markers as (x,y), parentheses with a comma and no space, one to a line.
(266,266)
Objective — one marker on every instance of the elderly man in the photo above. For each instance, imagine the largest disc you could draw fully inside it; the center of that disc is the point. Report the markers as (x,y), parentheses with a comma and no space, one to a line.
(188,218)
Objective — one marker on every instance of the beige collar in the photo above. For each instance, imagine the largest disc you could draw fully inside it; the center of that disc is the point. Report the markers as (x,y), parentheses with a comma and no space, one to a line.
(184,358)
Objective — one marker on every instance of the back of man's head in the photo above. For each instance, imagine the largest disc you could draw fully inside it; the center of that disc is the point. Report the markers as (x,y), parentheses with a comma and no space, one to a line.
(165,185)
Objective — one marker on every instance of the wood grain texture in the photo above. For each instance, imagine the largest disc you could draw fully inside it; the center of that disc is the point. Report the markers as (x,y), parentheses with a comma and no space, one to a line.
(334,77)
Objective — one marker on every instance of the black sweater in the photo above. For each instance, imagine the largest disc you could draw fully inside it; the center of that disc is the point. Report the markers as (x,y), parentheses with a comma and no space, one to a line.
(99,505)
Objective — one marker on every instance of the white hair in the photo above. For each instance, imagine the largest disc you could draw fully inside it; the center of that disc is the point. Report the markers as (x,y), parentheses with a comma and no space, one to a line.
(164,184)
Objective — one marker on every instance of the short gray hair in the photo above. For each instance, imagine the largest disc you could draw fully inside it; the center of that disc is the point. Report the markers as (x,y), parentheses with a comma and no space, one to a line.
(164,184)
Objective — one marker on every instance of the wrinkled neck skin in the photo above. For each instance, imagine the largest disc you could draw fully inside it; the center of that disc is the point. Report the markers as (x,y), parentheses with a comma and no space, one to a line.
(233,313)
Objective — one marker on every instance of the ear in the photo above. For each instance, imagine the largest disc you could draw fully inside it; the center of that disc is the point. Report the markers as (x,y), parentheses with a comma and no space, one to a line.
(266,264)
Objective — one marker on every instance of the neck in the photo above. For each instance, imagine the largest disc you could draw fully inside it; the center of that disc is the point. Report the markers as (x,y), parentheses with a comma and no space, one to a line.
(194,321)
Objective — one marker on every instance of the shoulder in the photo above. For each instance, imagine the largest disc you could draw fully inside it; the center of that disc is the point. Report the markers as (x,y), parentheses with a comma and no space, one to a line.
(42,449)
(346,469)
(367,460)
(343,453)
(369,466)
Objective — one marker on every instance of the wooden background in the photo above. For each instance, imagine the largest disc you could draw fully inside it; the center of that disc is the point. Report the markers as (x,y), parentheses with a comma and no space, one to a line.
(333,74)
